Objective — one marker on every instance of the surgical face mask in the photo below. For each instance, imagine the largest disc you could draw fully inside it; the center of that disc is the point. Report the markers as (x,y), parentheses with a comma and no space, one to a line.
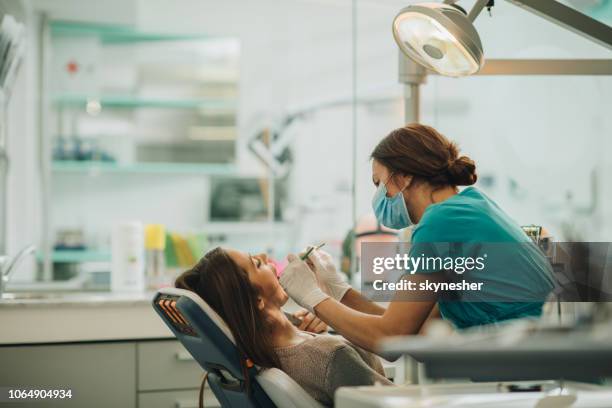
(390,211)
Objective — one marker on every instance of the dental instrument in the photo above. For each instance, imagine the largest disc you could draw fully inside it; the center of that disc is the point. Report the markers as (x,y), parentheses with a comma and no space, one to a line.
(310,249)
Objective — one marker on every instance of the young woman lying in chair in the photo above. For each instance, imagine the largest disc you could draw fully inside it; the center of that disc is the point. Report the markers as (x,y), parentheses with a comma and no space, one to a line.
(245,292)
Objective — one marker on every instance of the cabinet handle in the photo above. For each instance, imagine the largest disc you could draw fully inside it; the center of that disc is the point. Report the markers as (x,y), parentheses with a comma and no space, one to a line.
(389,371)
(185,404)
(183,356)
(209,401)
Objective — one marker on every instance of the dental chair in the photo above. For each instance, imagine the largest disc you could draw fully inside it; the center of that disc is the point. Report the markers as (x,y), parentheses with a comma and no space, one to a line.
(208,339)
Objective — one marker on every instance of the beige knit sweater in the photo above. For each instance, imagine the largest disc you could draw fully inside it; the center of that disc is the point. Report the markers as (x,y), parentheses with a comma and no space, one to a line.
(324,362)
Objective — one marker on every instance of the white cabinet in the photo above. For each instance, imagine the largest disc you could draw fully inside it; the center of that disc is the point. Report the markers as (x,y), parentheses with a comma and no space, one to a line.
(99,375)
(107,374)
(169,377)
(176,399)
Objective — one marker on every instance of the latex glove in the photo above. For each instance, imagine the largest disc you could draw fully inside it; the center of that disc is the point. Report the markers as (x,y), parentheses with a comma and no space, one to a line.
(301,284)
(310,322)
(327,274)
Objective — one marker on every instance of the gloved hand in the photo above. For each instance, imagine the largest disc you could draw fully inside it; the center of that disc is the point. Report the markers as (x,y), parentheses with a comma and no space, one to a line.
(327,274)
(301,284)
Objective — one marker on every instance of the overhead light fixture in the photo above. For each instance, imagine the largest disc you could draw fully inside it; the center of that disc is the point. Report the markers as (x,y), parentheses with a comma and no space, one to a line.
(441,37)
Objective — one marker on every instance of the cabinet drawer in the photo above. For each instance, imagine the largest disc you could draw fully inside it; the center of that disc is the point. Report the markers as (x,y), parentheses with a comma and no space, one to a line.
(99,375)
(166,365)
(176,399)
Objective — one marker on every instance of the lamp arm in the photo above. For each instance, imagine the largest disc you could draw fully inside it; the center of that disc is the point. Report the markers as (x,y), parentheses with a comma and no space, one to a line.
(477,8)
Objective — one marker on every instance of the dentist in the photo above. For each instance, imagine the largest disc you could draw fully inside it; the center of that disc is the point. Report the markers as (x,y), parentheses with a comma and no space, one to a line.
(417,171)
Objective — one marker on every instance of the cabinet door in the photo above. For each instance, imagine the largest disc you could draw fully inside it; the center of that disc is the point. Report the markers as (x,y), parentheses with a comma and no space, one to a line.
(176,399)
(99,375)
(166,365)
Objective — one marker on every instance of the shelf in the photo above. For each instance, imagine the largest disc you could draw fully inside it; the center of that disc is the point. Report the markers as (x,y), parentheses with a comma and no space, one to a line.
(140,102)
(116,34)
(77,255)
(92,167)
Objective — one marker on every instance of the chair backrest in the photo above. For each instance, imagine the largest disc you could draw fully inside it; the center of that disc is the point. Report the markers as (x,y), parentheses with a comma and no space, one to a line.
(208,339)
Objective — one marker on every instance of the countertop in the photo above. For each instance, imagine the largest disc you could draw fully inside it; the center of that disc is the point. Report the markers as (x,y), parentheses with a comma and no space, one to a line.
(77,299)
(80,317)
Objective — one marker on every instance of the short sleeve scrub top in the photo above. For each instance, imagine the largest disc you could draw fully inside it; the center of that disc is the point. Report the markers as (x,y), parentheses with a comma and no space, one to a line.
(516,278)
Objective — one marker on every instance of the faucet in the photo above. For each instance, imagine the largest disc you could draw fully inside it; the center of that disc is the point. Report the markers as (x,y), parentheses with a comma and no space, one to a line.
(8,265)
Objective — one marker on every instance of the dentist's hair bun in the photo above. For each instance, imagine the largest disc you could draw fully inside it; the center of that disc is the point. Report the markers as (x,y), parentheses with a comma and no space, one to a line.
(424,153)
(461,170)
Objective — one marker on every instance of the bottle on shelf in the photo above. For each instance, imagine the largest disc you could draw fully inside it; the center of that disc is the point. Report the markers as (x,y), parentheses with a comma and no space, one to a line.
(155,245)
(127,258)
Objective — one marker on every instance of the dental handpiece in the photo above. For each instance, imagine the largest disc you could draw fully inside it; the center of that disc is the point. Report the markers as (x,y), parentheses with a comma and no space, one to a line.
(312,248)
(304,257)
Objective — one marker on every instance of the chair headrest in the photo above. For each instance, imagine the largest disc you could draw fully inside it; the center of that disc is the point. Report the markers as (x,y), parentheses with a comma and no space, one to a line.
(200,329)
(217,320)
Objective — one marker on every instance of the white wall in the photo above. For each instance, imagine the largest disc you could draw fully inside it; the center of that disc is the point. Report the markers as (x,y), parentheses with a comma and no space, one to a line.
(546,134)
(543,133)
(24,190)
(285,65)
(23,217)
(294,54)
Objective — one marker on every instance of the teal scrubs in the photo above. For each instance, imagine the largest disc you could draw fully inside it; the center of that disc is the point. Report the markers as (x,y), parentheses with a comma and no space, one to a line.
(516,278)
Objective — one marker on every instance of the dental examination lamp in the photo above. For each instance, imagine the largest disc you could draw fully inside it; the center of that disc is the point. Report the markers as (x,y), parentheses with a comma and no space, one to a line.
(441,37)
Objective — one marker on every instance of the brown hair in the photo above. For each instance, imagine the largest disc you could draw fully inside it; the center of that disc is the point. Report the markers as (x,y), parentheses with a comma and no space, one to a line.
(423,152)
(226,287)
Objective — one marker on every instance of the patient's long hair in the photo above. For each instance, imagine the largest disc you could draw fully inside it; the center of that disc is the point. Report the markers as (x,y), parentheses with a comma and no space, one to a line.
(226,287)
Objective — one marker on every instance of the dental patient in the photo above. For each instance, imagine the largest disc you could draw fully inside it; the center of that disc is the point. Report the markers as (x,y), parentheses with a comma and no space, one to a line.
(245,292)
